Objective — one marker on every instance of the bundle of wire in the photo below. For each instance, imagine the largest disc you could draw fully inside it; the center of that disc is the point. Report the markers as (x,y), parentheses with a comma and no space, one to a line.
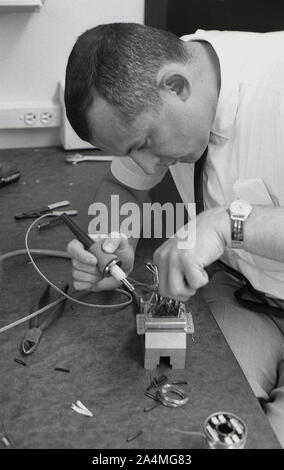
(58,254)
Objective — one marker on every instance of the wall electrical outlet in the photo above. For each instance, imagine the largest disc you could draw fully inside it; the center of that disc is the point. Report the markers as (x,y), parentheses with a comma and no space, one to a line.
(30,114)
(46,118)
(30,118)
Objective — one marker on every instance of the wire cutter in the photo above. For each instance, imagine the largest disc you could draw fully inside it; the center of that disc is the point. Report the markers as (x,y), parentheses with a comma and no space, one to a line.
(39,323)
(34,213)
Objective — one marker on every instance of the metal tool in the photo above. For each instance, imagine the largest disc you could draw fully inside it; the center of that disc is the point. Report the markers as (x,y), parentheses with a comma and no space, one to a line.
(38,324)
(78,158)
(34,213)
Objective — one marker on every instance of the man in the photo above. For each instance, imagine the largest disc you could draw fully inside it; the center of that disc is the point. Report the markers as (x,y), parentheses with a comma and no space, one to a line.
(157,102)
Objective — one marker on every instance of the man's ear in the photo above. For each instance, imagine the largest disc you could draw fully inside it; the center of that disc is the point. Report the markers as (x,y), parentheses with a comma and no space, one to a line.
(175,83)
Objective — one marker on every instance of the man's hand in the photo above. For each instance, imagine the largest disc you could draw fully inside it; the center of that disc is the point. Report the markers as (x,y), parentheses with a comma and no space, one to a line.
(181,271)
(86,274)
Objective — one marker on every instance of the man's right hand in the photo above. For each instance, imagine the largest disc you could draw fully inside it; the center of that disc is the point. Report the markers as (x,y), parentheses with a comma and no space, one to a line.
(86,274)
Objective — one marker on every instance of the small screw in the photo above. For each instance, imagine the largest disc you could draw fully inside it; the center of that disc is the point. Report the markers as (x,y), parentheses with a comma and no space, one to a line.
(150,395)
(62,369)
(19,361)
(131,438)
(157,382)
(150,408)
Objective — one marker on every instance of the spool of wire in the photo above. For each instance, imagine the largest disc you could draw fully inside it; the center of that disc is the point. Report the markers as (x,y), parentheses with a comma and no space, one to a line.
(225,431)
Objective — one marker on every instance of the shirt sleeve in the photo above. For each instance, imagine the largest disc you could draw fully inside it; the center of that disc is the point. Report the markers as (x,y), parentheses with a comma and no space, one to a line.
(127,172)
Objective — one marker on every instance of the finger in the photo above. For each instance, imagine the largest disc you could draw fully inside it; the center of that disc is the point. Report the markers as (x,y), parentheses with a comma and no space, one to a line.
(106,283)
(178,286)
(160,259)
(85,277)
(77,251)
(87,268)
(114,241)
(101,285)
(196,277)
(82,285)
(97,236)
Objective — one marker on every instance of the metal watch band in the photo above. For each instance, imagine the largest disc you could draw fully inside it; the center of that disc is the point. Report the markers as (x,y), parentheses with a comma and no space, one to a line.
(237,232)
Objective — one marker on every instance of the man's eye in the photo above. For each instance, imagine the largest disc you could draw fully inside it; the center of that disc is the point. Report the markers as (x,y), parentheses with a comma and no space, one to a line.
(145,145)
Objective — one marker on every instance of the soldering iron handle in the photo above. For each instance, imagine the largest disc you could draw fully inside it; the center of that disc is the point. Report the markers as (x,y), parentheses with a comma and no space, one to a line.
(104,259)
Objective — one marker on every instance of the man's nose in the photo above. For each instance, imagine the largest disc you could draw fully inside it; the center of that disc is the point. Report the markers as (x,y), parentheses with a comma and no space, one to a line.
(146,161)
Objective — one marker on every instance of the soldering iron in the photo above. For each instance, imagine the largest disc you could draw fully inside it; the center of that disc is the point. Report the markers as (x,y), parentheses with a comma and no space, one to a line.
(107,262)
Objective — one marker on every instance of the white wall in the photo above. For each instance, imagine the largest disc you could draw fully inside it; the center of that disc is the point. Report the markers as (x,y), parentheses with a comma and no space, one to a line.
(34,48)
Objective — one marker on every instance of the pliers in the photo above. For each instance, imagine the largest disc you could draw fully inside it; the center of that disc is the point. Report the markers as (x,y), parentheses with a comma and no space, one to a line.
(39,323)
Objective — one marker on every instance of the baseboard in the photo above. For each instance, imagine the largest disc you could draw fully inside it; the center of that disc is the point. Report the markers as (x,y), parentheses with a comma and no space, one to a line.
(25,138)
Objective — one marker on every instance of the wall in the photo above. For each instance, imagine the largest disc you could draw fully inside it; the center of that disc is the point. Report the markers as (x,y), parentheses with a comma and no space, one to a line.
(34,48)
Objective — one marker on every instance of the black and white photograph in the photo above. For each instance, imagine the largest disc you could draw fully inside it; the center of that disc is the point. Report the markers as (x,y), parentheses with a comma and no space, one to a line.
(142,231)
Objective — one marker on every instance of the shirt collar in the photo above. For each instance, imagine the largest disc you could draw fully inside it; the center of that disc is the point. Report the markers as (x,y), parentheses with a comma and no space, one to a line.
(229,60)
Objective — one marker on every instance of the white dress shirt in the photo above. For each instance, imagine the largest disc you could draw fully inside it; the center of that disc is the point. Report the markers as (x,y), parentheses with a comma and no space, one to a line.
(246,148)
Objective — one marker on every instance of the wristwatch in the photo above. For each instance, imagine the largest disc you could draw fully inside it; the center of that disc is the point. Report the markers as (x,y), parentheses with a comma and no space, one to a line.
(239,211)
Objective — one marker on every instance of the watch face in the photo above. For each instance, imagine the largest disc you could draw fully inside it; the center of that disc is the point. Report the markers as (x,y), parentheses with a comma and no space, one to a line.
(240,208)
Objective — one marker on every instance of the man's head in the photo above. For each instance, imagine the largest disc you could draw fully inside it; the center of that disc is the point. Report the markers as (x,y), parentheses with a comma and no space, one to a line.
(135,90)
(120,62)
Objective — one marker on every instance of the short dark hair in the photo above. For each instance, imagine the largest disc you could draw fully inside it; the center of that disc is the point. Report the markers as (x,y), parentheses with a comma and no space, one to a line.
(120,61)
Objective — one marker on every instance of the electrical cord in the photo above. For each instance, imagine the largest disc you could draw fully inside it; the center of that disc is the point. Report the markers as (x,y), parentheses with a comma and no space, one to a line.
(123,304)
(23,251)
(59,254)
(31,315)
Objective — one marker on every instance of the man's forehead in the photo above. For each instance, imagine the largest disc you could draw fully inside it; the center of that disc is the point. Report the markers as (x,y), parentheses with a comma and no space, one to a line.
(105,128)
(109,131)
